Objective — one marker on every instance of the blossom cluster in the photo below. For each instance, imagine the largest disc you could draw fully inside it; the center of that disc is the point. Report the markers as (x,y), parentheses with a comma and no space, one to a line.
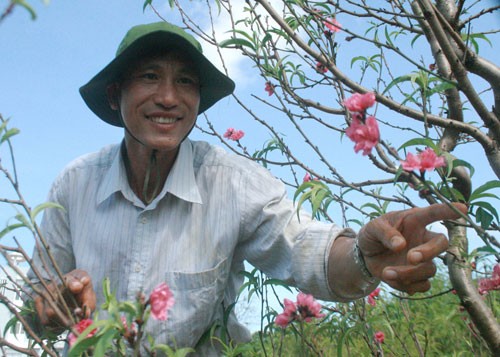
(371,298)
(321,68)
(332,25)
(379,337)
(304,309)
(426,160)
(363,130)
(233,134)
(81,326)
(161,300)
(492,283)
(269,88)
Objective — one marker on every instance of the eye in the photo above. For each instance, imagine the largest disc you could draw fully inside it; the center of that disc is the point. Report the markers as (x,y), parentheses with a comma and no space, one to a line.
(150,76)
(188,79)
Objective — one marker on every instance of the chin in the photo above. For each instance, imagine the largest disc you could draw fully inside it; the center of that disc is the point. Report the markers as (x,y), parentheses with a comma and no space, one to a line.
(165,147)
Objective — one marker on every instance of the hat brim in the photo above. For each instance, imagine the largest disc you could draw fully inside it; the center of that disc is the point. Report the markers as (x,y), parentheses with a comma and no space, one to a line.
(214,85)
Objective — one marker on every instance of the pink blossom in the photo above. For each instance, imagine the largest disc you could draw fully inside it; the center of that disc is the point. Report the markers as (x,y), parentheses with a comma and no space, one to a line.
(307,177)
(308,307)
(233,134)
(360,102)
(161,301)
(269,88)
(411,163)
(493,283)
(321,68)
(379,336)
(332,25)
(429,160)
(366,135)
(288,314)
(79,328)
(305,309)
(128,329)
(426,160)
(371,298)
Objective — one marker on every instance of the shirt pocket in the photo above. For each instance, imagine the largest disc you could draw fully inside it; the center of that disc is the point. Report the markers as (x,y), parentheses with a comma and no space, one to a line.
(198,298)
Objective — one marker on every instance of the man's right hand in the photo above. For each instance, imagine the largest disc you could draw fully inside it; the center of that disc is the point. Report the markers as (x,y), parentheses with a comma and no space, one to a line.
(77,293)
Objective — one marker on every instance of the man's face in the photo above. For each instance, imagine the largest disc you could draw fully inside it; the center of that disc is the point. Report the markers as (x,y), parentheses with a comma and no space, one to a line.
(159,100)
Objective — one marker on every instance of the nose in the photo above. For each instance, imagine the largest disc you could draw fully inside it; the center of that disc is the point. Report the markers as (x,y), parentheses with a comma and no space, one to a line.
(166,94)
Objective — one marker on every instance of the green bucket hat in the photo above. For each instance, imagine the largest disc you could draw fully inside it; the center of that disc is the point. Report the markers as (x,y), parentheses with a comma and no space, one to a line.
(139,41)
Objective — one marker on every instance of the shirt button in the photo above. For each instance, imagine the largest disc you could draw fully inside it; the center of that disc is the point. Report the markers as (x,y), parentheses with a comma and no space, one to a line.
(137,268)
(144,220)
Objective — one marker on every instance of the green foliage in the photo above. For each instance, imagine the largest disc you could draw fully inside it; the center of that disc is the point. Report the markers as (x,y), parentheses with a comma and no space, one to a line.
(270,146)
(485,212)
(317,193)
(423,83)
(472,39)
(412,326)
(24,4)
(371,61)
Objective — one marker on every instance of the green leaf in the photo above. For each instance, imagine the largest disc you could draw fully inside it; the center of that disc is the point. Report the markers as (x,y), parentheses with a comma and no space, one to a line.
(3,124)
(441,87)
(10,228)
(8,134)
(146,4)
(35,211)
(81,345)
(277,282)
(419,141)
(24,4)
(458,162)
(396,81)
(486,249)
(11,324)
(358,58)
(488,207)
(479,192)
(415,38)
(104,342)
(388,37)
(24,221)
(128,307)
(483,218)
(239,42)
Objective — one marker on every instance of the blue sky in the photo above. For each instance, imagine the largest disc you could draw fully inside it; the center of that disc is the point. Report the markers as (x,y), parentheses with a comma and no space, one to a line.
(45,61)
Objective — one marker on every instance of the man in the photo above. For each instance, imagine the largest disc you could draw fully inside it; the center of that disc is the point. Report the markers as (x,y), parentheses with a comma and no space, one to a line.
(162,208)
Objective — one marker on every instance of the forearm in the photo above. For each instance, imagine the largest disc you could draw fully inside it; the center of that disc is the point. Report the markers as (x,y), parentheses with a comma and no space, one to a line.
(345,275)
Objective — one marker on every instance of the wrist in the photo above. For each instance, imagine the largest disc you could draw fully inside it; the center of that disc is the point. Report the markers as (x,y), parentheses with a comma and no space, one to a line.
(369,281)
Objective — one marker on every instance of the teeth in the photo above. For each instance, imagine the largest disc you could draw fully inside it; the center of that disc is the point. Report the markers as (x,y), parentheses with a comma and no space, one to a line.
(163,120)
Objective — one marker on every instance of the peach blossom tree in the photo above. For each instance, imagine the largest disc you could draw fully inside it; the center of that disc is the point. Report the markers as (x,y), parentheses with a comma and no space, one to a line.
(406,81)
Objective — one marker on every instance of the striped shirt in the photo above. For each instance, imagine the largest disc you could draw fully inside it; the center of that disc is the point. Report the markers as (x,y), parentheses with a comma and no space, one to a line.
(215,211)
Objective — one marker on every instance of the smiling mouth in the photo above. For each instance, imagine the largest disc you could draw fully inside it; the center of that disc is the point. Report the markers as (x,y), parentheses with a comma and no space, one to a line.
(163,120)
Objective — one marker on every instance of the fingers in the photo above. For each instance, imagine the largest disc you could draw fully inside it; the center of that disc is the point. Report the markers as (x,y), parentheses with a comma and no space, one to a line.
(410,279)
(436,244)
(87,299)
(79,284)
(438,212)
(76,280)
(77,292)
(380,231)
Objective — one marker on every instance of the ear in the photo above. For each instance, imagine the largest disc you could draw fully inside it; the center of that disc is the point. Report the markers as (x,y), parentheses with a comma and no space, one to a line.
(113,93)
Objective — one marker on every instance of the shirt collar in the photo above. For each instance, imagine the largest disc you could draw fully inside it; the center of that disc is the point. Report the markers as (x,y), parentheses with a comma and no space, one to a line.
(181,181)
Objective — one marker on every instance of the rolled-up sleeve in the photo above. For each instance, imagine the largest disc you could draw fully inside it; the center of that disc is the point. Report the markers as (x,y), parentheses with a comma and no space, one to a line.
(284,244)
